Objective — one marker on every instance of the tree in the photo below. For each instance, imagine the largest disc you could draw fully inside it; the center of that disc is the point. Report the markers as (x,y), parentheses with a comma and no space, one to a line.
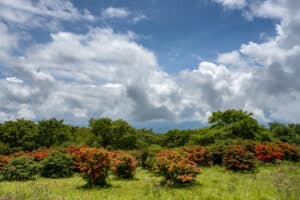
(52,132)
(176,138)
(102,130)
(237,122)
(19,135)
(124,136)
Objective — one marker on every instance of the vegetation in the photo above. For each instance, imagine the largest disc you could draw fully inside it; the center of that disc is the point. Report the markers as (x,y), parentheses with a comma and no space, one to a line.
(281,181)
(20,169)
(57,165)
(109,149)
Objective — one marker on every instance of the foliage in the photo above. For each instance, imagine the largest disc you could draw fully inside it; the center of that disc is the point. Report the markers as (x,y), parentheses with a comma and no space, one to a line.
(57,165)
(176,169)
(176,138)
(286,133)
(237,158)
(20,169)
(268,152)
(52,132)
(39,154)
(19,135)
(216,154)
(200,155)
(123,165)
(237,122)
(148,158)
(94,164)
(289,151)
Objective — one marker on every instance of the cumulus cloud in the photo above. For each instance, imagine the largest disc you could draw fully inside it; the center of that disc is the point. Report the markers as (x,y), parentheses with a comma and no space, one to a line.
(31,13)
(104,73)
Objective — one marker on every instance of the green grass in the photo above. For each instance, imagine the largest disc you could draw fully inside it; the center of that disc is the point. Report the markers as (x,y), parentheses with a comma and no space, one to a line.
(270,182)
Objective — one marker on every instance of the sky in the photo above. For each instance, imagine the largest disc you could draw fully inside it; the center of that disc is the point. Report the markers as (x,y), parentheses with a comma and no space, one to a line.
(157,64)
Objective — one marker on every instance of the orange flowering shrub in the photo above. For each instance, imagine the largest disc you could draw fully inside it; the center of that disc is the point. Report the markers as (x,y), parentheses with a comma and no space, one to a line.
(94,164)
(268,152)
(175,167)
(123,165)
(198,154)
(4,160)
(289,151)
(237,158)
(74,152)
(39,154)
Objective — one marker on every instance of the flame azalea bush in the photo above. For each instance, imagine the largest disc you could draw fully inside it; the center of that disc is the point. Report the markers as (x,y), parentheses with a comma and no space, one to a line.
(176,168)
(198,154)
(289,151)
(39,154)
(237,158)
(4,160)
(123,165)
(74,152)
(268,152)
(94,164)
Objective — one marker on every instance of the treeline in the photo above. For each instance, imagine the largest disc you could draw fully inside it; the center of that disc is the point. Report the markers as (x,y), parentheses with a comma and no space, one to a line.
(225,127)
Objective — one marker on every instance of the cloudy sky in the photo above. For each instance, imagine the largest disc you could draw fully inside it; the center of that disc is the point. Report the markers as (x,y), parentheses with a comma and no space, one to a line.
(157,64)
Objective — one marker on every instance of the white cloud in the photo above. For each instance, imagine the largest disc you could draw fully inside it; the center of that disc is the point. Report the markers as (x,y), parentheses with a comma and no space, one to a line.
(103,73)
(112,12)
(31,13)
(232,3)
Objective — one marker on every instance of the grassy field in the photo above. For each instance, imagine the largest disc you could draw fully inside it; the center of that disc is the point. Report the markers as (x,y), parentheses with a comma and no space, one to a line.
(281,181)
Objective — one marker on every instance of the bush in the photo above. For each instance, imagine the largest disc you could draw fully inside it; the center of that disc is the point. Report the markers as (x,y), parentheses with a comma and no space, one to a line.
(4,149)
(20,169)
(123,165)
(39,154)
(289,151)
(199,155)
(216,154)
(268,152)
(237,158)
(176,168)
(57,165)
(4,160)
(94,164)
(148,158)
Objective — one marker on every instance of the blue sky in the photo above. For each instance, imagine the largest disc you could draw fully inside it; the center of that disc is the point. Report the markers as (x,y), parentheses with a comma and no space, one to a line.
(157,64)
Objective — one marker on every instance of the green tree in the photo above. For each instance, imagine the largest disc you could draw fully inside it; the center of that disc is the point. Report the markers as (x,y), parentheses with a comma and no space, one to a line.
(52,132)
(19,135)
(237,122)
(102,130)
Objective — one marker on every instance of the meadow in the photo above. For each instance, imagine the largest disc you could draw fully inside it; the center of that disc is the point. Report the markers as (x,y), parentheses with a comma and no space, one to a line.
(269,181)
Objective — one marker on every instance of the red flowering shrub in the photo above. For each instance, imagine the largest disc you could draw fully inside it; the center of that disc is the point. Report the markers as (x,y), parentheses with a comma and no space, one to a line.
(94,163)
(39,154)
(268,152)
(74,152)
(176,167)
(123,165)
(4,160)
(198,154)
(237,158)
(289,151)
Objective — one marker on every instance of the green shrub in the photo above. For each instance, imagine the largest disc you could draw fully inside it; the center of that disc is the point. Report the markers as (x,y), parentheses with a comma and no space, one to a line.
(216,154)
(57,165)
(148,158)
(20,169)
